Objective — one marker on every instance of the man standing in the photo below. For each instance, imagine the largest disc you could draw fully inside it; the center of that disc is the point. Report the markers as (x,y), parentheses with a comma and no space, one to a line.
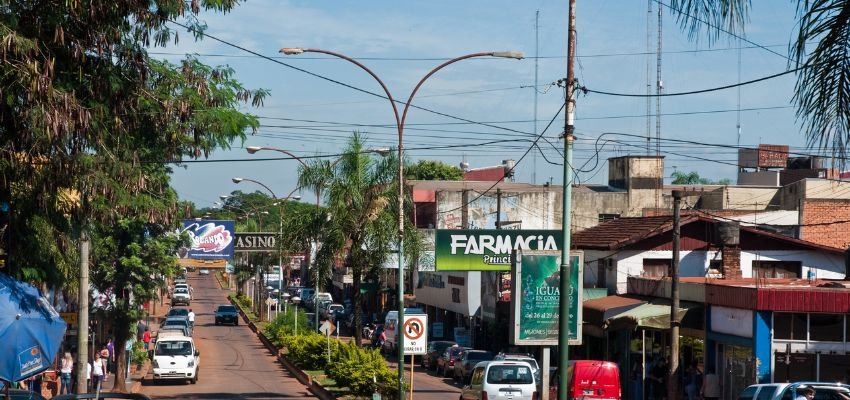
(191,319)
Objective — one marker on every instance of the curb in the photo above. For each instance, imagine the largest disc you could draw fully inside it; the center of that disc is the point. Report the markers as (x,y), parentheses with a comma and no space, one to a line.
(141,373)
(314,387)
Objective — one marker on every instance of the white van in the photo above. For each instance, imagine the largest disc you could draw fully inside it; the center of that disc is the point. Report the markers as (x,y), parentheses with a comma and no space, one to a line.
(175,357)
(501,379)
(391,329)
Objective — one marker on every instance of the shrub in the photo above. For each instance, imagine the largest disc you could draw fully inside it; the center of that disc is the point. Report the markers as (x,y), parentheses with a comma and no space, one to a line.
(310,351)
(284,325)
(138,353)
(358,369)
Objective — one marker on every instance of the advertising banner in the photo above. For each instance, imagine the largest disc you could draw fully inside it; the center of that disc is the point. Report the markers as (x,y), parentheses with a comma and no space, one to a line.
(255,242)
(488,249)
(535,305)
(210,239)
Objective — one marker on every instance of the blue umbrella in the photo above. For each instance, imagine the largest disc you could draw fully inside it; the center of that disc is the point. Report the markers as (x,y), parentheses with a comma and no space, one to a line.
(31,330)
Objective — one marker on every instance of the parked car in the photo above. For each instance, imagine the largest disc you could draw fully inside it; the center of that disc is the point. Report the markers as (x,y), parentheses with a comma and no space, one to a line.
(203,271)
(226,314)
(435,349)
(789,391)
(463,369)
(446,362)
(501,380)
(178,312)
(334,311)
(181,296)
(589,379)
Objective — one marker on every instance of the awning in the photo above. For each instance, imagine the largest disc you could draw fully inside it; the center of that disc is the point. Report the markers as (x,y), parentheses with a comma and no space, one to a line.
(597,311)
(630,312)
(655,314)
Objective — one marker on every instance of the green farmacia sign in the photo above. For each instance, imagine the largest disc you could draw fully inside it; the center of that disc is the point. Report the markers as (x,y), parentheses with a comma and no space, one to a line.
(488,249)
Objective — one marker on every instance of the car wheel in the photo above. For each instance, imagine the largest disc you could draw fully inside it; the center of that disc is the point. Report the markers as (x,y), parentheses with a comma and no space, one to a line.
(155,382)
(216,323)
(236,323)
(195,379)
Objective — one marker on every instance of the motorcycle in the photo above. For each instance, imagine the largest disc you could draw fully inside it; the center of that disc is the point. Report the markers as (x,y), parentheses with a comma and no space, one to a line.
(367,332)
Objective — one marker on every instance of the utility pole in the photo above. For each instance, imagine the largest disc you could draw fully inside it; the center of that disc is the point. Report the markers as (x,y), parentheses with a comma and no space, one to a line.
(569,129)
(83,314)
(672,374)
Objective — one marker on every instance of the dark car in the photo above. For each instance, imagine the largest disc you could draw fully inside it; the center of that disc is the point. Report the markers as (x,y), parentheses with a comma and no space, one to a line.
(446,362)
(463,369)
(435,349)
(226,314)
(177,323)
(178,312)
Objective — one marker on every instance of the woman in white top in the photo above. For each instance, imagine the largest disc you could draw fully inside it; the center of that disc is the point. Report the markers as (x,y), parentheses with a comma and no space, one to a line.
(98,369)
(67,368)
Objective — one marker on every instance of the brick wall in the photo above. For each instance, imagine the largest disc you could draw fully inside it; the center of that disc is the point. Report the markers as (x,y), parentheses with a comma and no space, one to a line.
(821,222)
(731,261)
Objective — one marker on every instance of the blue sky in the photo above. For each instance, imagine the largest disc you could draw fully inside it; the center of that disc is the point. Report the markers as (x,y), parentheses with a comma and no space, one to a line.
(402,40)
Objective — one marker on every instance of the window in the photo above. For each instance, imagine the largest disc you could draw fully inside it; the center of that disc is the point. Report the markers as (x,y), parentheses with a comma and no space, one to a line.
(656,267)
(509,374)
(789,326)
(766,392)
(476,376)
(608,217)
(826,327)
(778,269)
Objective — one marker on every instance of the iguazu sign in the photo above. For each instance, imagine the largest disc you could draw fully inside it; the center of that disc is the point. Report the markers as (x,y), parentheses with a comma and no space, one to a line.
(256,241)
(488,249)
(210,239)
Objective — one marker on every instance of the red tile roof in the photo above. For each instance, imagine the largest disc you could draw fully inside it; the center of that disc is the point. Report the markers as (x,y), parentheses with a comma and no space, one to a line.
(624,231)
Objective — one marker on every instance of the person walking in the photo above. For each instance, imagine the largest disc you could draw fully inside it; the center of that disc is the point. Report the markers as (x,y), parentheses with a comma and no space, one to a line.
(65,373)
(98,371)
(191,318)
(110,358)
(693,381)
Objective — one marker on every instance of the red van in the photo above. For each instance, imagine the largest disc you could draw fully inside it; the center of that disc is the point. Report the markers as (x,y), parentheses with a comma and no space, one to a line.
(589,379)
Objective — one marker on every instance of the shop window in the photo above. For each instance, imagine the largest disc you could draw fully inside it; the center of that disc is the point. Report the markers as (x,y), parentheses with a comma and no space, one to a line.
(656,267)
(778,269)
(794,367)
(789,326)
(826,327)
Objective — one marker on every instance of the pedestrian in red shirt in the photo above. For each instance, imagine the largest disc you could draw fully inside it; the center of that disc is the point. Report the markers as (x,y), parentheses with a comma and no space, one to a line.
(147,338)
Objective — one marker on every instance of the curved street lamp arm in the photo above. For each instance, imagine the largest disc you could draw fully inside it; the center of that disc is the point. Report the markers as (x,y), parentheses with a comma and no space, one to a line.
(424,78)
(281,151)
(274,196)
(369,71)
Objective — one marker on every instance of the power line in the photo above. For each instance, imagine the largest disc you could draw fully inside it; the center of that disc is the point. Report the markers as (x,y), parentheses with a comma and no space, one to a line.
(714,89)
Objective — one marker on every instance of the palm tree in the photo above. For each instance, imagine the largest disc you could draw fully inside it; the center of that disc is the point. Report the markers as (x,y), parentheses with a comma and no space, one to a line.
(822,94)
(358,224)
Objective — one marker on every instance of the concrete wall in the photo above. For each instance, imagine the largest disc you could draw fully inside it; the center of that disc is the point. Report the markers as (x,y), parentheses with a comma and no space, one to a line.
(587,205)
(748,198)
(825,265)
(762,178)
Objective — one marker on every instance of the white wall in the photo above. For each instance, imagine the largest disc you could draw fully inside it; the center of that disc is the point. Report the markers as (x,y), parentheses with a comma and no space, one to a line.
(695,263)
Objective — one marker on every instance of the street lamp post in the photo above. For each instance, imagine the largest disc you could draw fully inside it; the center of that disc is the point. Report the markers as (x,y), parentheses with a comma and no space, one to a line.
(400,126)
(281,209)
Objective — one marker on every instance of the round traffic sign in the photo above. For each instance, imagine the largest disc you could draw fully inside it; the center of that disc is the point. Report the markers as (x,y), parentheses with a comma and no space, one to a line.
(413,328)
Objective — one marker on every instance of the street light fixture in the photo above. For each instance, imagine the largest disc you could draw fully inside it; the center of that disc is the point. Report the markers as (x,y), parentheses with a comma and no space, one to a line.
(400,125)
(282,207)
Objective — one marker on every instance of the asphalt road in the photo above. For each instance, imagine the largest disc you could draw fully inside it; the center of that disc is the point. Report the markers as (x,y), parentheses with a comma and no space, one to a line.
(234,363)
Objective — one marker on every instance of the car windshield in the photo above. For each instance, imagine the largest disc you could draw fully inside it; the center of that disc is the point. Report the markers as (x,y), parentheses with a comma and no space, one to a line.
(181,291)
(509,374)
(456,351)
(173,348)
(229,309)
(175,322)
(178,312)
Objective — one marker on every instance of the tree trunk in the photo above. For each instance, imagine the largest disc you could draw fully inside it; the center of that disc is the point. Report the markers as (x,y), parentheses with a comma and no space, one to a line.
(122,334)
(357,306)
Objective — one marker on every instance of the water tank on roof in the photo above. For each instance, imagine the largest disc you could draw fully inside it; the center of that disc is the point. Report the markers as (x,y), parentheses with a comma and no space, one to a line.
(509,168)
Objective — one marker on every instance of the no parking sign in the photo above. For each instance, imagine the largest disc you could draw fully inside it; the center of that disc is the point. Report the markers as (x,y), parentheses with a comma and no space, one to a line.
(415,329)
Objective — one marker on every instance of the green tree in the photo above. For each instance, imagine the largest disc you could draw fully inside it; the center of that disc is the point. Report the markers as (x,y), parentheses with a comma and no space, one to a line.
(821,95)
(693,178)
(359,223)
(432,170)
(89,124)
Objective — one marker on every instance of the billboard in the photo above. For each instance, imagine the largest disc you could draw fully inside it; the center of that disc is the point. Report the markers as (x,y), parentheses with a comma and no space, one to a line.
(210,239)
(488,249)
(535,305)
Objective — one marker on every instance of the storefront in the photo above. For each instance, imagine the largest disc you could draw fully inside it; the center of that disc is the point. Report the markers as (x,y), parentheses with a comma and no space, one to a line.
(811,346)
